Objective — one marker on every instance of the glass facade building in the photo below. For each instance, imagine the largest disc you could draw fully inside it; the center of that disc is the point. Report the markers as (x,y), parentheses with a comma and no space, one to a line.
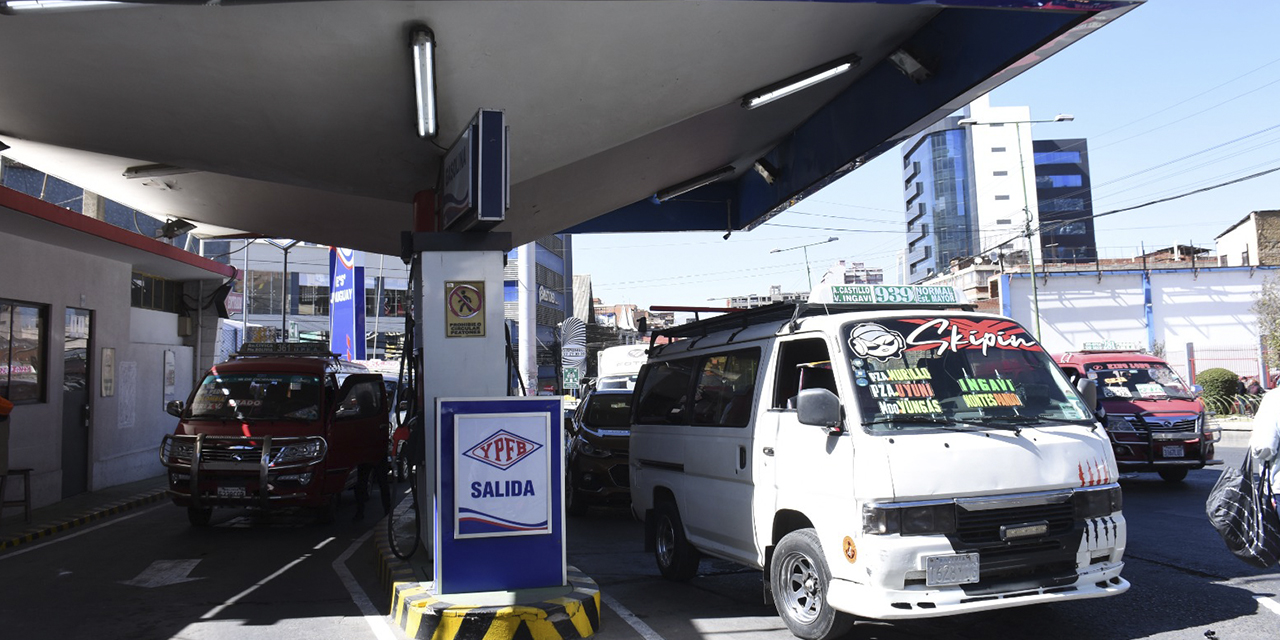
(938,190)
(1065,198)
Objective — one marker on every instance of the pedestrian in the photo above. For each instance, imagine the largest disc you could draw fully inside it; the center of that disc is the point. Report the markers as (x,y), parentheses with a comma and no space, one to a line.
(1264,441)
(1253,388)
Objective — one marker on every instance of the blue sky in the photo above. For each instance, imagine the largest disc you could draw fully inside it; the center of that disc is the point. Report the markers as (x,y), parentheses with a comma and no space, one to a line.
(1175,96)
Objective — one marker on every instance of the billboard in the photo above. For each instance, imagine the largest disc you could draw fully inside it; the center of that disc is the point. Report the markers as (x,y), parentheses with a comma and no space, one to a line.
(346,303)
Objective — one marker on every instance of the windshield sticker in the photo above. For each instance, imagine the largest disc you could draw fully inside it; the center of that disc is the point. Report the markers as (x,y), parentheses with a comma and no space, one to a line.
(954,334)
(1070,411)
(909,406)
(985,384)
(873,340)
(1152,390)
(902,390)
(1118,379)
(1117,392)
(1120,365)
(991,400)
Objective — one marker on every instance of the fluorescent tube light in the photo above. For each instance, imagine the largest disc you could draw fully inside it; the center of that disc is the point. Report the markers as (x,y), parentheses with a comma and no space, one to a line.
(689,185)
(15,7)
(799,82)
(424,79)
(155,171)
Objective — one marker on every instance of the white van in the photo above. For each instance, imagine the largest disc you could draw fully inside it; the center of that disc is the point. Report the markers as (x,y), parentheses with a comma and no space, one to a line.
(880,460)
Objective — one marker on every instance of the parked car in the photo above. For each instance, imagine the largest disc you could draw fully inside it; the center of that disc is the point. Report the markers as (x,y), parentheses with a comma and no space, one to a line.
(1155,421)
(596,470)
(274,427)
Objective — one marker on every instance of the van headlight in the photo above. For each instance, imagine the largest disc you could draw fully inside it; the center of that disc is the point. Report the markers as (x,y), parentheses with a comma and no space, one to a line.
(915,520)
(182,450)
(301,451)
(1116,423)
(1098,503)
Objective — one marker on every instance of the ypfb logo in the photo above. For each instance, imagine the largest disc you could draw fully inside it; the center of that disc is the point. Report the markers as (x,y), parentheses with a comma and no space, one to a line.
(502,450)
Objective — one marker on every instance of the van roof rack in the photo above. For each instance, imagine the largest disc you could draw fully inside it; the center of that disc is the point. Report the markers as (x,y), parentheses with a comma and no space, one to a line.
(782,311)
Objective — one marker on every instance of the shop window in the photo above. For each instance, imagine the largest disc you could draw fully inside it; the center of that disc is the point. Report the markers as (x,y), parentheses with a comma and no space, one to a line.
(23,345)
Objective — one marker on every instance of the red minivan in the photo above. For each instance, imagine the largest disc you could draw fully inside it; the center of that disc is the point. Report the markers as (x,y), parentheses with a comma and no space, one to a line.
(1156,423)
(278,425)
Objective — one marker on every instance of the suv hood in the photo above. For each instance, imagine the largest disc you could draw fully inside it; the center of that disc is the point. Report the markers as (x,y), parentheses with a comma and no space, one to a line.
(990,462)
(275,429)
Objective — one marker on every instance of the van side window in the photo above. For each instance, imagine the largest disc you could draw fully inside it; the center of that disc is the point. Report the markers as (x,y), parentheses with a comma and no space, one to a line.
(663,397)
(797,360)
(725,388)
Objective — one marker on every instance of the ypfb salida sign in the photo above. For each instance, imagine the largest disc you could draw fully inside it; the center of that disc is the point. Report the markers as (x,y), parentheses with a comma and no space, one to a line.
(504,475)
(499,510)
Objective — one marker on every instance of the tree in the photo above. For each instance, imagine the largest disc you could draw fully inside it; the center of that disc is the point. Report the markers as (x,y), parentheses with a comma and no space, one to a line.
(1267,309)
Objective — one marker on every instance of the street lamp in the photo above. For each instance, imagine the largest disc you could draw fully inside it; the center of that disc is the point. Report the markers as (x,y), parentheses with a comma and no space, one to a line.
(806,255)
(1026,200)
(284,286)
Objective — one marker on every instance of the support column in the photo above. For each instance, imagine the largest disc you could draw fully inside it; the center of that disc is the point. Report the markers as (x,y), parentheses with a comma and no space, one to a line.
(527,316)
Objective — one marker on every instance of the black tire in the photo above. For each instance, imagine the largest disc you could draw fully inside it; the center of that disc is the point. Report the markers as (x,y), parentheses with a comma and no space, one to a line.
(199,516)
(799,578)
(575,504)
(1173,476)
(677,559)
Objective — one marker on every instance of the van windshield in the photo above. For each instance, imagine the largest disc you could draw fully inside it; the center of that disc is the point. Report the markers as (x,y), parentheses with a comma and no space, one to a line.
(1138,381)
(957,372)
(257,396)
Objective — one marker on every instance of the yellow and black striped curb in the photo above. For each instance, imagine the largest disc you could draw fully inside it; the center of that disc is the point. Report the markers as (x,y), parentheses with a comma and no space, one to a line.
(98,513)
(425,616)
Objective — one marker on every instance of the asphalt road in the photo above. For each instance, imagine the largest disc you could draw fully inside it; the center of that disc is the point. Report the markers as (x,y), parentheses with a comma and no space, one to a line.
(1185,584)
(149,574)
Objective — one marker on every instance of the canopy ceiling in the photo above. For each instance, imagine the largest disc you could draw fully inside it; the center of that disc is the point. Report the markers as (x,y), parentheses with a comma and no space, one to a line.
(296,119)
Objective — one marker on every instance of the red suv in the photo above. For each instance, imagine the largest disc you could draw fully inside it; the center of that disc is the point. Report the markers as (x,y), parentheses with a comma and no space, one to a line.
(1155,421)
(276,427)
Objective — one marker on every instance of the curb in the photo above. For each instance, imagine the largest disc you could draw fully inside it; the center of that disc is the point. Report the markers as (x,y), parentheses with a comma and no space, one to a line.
(98,513)
(421,614)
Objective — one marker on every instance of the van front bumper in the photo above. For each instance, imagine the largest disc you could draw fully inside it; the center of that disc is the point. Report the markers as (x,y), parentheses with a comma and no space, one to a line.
(1094,581)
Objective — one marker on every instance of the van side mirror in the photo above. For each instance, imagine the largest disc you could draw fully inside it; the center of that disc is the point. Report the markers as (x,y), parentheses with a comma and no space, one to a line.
(174,408)
(1089,391)
(820,408)
(1197,389)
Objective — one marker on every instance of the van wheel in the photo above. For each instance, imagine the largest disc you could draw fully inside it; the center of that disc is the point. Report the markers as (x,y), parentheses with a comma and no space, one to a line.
(799,579)
(677,559)
(1173,475)
(199,516)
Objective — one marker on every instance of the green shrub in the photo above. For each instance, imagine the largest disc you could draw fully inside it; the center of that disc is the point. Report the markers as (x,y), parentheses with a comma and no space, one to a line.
(1218,382)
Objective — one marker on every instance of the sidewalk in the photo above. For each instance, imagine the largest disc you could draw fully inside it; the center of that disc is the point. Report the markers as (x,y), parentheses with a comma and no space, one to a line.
(77,510)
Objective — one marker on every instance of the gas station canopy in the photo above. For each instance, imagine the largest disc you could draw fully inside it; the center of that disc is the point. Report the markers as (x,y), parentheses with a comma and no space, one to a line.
(297,119)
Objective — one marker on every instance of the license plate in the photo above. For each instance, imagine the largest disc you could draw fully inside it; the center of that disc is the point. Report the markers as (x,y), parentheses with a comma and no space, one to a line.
(230,492)
(1174,451)
(948,570)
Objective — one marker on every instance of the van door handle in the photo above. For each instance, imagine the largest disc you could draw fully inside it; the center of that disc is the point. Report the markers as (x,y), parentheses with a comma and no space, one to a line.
(742,457)
(768,451)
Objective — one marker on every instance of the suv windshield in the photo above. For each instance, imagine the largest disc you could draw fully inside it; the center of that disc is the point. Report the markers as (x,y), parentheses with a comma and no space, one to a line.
(930,372)
(608,411)
(257,396)
(1138,381)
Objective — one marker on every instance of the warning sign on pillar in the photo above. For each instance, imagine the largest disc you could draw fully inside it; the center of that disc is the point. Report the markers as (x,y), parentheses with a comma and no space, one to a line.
(464,309)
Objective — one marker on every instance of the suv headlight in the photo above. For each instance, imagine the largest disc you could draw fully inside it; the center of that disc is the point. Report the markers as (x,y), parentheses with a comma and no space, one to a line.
(915,520)
(1098,503)
(588,449)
